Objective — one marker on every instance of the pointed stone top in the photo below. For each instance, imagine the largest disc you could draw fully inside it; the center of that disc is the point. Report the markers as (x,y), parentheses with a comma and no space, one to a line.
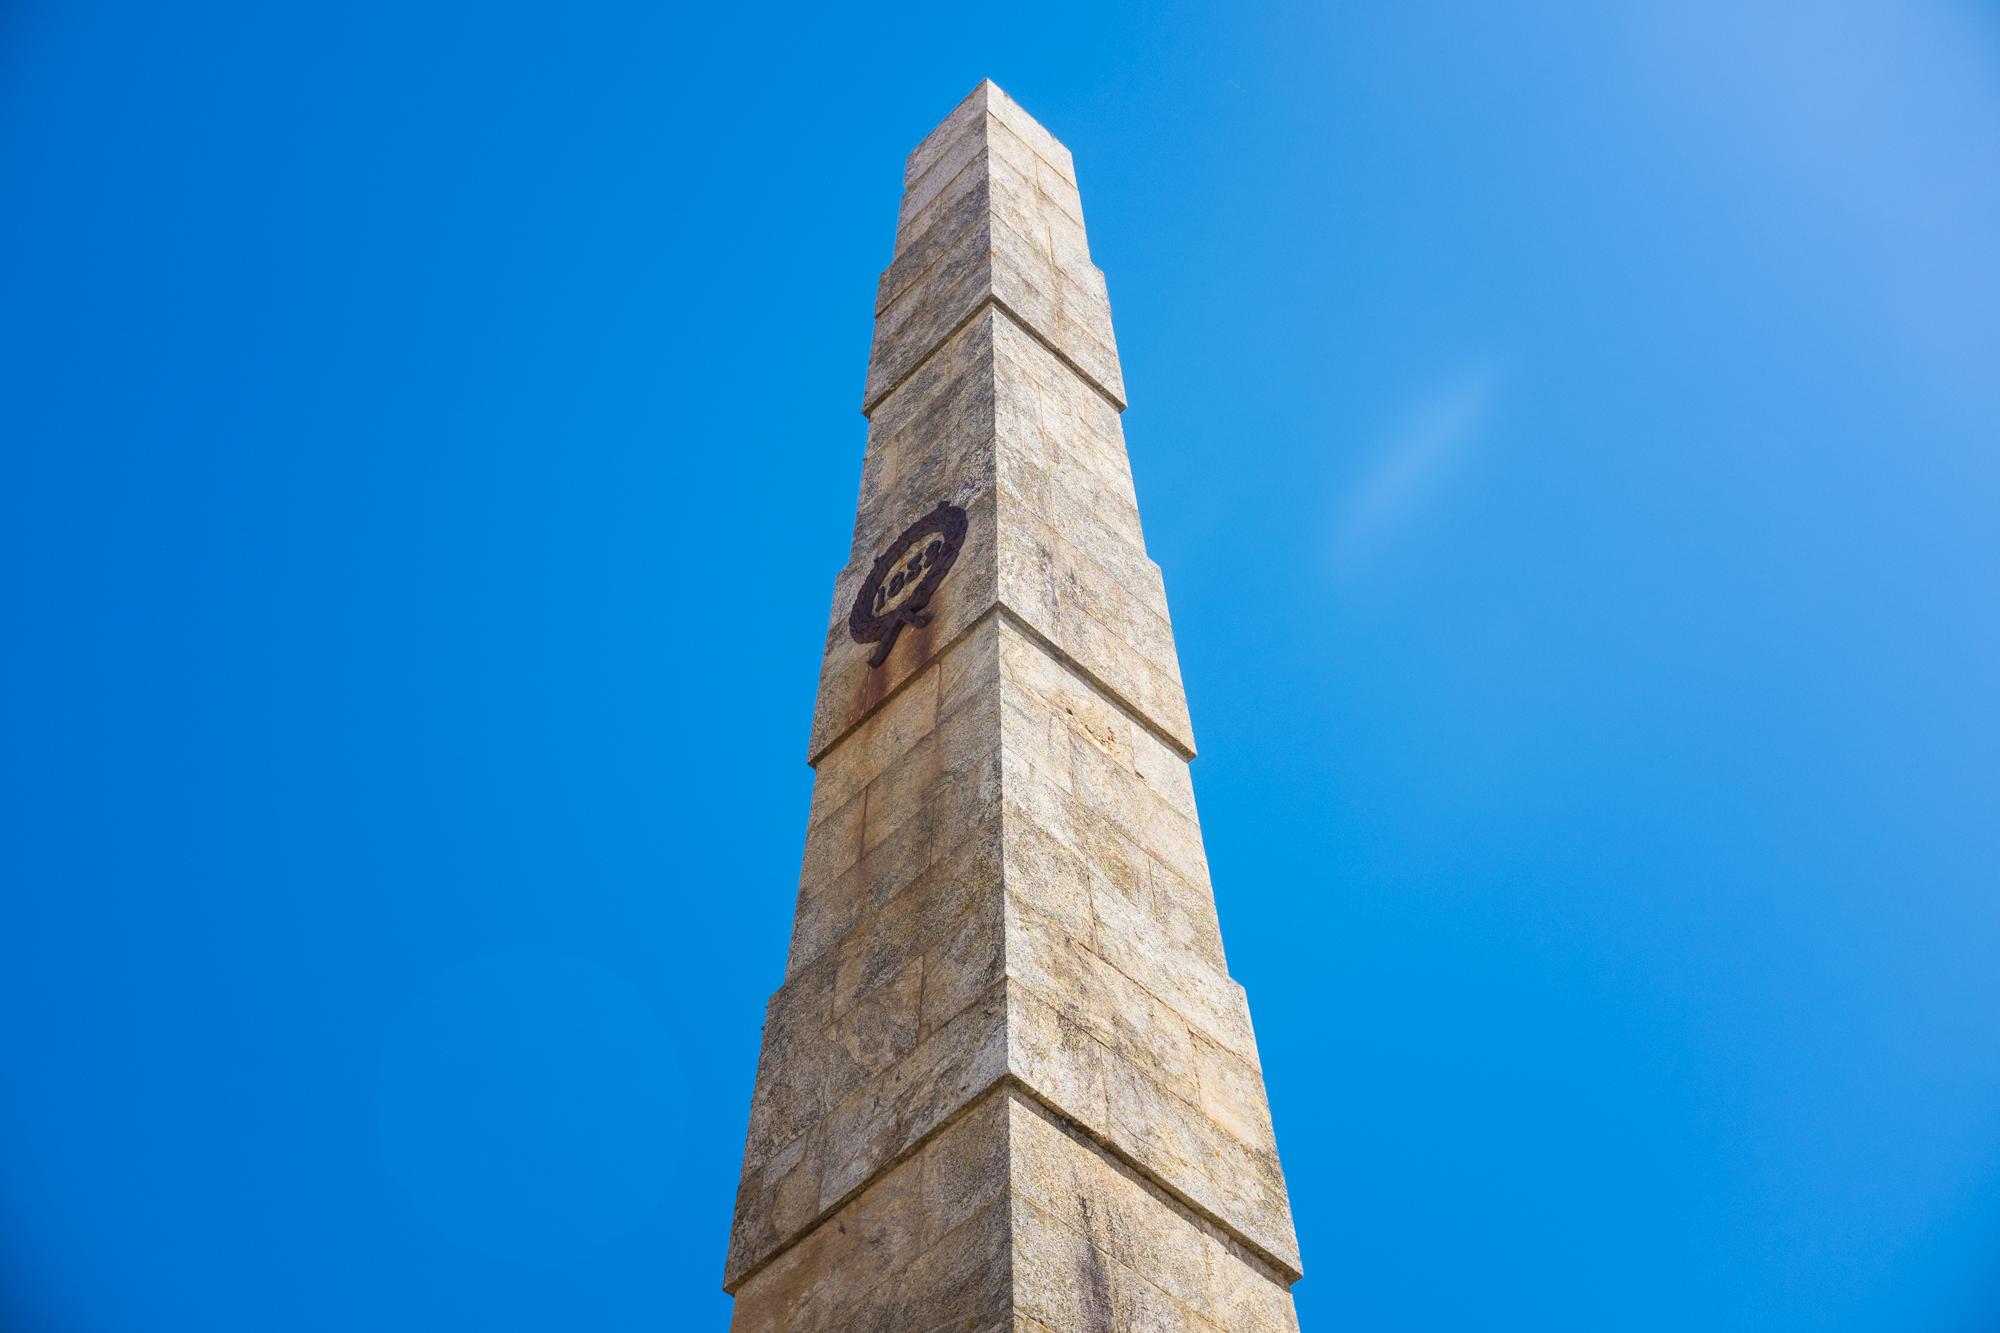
(984,106)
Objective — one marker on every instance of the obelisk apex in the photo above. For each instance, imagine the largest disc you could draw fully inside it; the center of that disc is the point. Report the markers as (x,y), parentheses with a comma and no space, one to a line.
(1008,1082)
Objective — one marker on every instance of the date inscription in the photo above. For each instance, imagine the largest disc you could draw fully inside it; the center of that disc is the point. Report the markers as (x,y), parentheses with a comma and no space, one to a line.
(904,578)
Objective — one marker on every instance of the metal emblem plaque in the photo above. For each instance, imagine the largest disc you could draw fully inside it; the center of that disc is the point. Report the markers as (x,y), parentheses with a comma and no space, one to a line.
(904,578)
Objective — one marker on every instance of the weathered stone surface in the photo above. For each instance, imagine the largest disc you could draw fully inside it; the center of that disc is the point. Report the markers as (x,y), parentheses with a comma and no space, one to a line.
(991,214)
(1008,1082)
(1053,538)
(924,1245)
(1097,1247)
(1007,1218)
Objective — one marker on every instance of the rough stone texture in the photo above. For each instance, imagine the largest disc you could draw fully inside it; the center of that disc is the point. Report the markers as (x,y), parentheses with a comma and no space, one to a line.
(998,424)
(1008,1082)
(1009,1218)
(991,213)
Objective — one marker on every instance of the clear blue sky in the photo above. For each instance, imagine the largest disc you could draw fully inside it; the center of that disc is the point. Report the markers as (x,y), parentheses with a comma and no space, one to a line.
(1571,433)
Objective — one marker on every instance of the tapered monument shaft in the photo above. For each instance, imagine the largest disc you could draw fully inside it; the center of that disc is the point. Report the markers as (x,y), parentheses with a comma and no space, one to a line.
(1008,1082)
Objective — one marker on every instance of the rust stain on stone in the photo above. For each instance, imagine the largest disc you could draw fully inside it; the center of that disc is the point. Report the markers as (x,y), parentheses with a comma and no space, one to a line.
(912,652)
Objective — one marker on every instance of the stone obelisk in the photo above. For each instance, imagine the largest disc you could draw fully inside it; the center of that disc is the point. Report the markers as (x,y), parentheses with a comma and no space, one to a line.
(1008,1082)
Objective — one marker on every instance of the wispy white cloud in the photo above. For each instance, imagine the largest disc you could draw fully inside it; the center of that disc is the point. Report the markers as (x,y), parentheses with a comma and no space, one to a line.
(1432,441)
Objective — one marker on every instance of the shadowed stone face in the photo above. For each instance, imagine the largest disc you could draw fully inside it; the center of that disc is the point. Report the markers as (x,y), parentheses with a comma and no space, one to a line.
(1008,1082)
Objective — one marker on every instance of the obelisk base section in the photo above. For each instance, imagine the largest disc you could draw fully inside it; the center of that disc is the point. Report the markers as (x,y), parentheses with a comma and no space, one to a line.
(1009,1218)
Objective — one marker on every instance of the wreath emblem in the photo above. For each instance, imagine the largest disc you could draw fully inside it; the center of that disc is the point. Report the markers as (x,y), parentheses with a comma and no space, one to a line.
(904,578)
